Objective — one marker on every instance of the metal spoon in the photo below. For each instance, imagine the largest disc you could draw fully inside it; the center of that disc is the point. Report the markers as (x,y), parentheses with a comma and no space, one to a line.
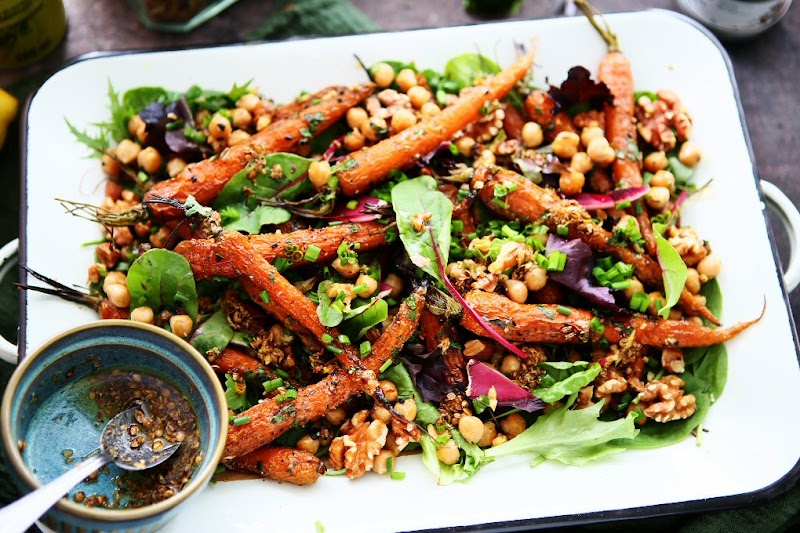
(130,449)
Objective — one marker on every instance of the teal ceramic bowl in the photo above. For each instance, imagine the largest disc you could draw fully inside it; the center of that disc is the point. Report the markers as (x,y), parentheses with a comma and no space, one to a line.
(46,416)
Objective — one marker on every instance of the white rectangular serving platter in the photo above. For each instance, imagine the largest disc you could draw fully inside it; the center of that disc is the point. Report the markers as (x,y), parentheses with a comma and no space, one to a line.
(751,449)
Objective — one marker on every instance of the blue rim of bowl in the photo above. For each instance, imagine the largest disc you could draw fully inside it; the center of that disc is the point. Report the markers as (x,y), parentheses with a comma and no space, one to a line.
(199,478)
(649,511)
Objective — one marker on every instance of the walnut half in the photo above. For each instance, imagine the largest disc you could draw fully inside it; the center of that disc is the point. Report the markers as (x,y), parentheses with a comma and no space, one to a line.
(664,400)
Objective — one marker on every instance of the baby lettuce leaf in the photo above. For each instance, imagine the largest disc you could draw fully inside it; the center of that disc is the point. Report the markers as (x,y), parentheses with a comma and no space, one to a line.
(235,394)
(280,179)
(673,270)
(421,197)
(213,333)
(238,217)
(472,459)
(360,320)
(572,437)
(397,374)
(330,315)
(161,279)
(565,379)
(466,68)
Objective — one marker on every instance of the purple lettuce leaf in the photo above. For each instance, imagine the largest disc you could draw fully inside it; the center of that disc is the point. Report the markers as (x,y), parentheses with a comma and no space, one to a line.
(580,93)
(577,270)
(609,201)
(156,116)
(482,378)
(429,373)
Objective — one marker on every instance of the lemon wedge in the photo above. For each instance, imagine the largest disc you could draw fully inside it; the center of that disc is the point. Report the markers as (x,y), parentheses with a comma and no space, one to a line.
(9,106)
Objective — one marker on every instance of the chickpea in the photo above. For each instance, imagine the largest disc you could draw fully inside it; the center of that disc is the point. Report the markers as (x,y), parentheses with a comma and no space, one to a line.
(535,278)
(498,440)
(655,161)
(127,151)
(581,162)
(248,102)
(354,141)
(591,132)
(571,182)
(374,128)
(181,325)
(565,144)
(486,159)
(419,96)
(657,301)
(516,291)
(675,314)
(118,295)
(406,79)
(709,267)
(335,417)
(369,282)
(489,433)
(380,464)
(532,135)
(512,425)
(429,109)
(137,127)
(238,137)
(689,154)
(658,197)
(449,454)
(381,413)
(319,172)
(465,145)
(149,160)
(114,278)
(110,165)
(263,122)
(389,390)
(692,280)
(143,314)
(349,270)
(175,166)
(403,119)
(471,428)
(663,178)
(219,127)
(601,152)
(407,408)
(510,364)
(396,283)
(383,75)
(634,287)
(355,116)
(307,443)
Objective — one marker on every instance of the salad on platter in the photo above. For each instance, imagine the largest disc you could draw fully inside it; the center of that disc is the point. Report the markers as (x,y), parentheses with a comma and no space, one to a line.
(455,261)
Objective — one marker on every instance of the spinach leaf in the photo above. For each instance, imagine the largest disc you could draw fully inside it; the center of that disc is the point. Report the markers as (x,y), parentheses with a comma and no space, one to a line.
(328,312)
(281,169)
(654,435)
(161,279)
(564,379)
(673,270)
(464,69)
(363,318)
(713,295)
(216,100)
(419,200)
(398,374)
(238,217)
(572,437)
(213,333)
(683,174)
(712,369)
(137,99)
(472,459)
(235,394)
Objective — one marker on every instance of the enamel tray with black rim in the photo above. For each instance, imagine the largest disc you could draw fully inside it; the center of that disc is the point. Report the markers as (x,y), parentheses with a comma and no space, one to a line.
(751,450)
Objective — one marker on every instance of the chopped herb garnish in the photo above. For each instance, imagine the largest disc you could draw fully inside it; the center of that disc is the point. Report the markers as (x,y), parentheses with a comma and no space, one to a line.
(312,253)
(264,297)
(241,420)
(273,384)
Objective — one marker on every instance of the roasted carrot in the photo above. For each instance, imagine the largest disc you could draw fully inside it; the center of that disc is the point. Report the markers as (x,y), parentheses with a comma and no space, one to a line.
(293,466)
(268,419)
(436,333)
(372,164)
(541,108)
(207,178)
(528,201)
(304,102)
(206,263)
(544,323)
(109,311)
(230,360)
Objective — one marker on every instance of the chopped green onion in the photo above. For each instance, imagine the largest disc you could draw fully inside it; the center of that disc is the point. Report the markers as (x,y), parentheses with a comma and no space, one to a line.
(619,285)
(358,289)
(364,349)
(273,384)
(457,226)
(334,349)
(291,394)
(282,373)
(344,339)
(639,302)
(563,231)
(398,476)
(596,325)
(241,420)
(566,311)
(312,253)
(385,366)
(327,338)
(264,297)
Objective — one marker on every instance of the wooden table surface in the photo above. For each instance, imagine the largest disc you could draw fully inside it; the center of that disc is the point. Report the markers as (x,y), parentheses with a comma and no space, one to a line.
(766,67)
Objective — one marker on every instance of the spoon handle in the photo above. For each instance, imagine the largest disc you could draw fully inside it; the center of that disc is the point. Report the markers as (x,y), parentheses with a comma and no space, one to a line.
(20,515)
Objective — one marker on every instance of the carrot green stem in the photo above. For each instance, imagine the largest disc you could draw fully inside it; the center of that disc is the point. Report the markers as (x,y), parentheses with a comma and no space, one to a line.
(592,13)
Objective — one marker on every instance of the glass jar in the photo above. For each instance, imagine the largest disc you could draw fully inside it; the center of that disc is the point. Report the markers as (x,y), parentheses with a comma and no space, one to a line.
(736,19)
(29,30)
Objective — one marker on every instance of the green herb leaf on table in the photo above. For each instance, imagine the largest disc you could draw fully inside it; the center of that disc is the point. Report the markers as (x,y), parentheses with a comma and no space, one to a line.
(565,379)
(420,197)
(572,437)
(161,279)
(213,333)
